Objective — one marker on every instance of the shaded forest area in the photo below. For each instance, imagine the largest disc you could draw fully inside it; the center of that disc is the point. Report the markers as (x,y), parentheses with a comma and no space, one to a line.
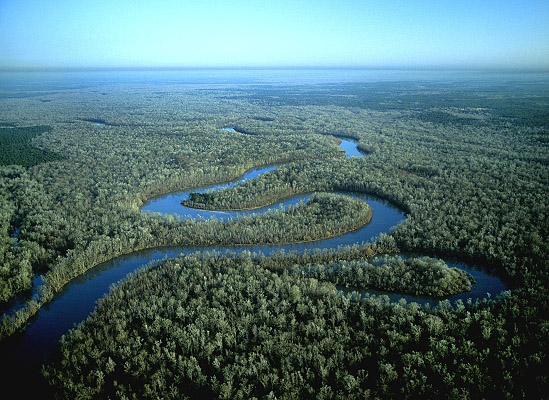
(16,146)
(468,162)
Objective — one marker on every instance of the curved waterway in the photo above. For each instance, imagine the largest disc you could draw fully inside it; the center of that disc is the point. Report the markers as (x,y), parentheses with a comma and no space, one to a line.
(25,352)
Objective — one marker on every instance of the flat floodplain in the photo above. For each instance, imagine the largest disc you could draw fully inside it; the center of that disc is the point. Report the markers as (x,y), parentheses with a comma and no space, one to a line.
(453,163)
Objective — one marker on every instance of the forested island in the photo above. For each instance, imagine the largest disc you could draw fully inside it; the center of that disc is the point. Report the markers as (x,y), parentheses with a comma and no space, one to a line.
(465,160)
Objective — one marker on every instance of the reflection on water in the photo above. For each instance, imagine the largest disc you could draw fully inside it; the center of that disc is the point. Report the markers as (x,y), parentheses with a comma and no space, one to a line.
(230,130)
(350,147)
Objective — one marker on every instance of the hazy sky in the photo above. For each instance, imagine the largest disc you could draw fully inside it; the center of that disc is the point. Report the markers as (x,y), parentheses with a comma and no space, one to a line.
(205,33)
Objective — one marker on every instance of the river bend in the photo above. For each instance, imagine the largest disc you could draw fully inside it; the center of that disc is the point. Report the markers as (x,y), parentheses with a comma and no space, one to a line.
(26,351)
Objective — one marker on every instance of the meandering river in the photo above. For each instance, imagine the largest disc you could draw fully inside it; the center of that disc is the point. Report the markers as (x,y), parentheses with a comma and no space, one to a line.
(26,351)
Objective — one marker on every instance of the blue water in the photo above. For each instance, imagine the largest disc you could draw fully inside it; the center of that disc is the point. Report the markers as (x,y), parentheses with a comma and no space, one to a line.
(486,285)
(171,204)
(232,130)
(26,351)
(350,148)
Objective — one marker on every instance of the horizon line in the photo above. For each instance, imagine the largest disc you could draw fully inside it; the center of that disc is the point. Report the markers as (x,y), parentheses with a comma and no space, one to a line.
(274,68)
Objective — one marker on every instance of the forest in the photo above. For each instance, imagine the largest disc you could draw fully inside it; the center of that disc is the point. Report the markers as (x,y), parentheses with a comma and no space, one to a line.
(420,276)
(231,329)
(467,162)
(16,147)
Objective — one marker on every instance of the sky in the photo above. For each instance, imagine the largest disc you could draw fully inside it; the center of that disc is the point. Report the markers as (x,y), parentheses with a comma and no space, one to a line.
(263,33)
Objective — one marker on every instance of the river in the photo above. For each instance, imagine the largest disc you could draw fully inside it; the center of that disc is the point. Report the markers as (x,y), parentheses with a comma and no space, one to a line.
(26,351)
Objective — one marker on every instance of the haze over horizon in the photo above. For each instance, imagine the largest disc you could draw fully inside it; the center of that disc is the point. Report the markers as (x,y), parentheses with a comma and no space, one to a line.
(242,33)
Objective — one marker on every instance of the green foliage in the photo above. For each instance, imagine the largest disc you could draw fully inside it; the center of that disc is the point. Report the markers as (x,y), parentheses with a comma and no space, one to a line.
(78,214)
(16,147)
(324,215)
(474,188)
(466,204)
(463,103)
(445,118)
(206,199)
(417,276)
(16,256)
(206,326)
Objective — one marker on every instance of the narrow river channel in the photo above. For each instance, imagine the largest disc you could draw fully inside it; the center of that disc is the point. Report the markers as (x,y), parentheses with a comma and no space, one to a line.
(26,351)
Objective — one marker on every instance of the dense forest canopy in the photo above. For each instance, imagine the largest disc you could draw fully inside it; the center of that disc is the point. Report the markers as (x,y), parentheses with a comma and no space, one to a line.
(467,161)
(16,146)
